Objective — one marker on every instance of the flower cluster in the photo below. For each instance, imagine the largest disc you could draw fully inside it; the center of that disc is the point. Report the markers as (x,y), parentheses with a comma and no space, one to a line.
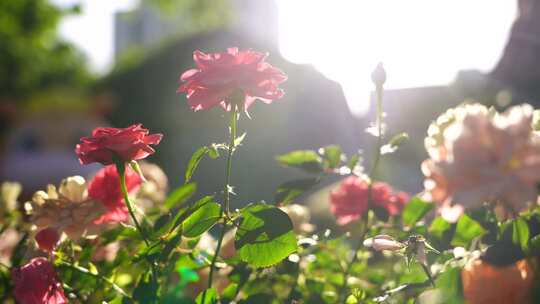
(350,201)
(479,156)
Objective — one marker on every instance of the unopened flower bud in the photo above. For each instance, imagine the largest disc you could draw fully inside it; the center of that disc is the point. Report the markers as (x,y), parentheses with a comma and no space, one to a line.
(383,242)
(378,76)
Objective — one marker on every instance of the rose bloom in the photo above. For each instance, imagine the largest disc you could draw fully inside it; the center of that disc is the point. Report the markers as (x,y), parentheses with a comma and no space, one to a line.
(131,143)
(68,209)
(487,284)
(222,77)
(47,239)
(479,156)
(37,283)
(105,188)
(350,200)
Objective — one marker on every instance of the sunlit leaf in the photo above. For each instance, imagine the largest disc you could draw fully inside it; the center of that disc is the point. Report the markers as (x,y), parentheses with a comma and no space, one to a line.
(265,235)
(288,191)
(438,227)
(520,234)
(194,162)
(180,195)
(332,155)
(415,210)
(208,296)
(306,160)
(467,230)
(201,220)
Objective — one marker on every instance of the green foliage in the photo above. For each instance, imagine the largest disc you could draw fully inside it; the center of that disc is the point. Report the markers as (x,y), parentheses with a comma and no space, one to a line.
(439,227)
(520,234)
(450,285)
(332,156)
(467,230)
(196,159)
(32,55)
(201,220)
(306,160)
(415,210)
(265,235)
(208,296)
(146,290)
(180,195)
(288,191)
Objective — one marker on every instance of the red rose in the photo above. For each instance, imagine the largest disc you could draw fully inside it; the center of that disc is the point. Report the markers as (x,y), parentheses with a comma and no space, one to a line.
(47,239)
(37,283)
(219,76)
(105,188)
(350,200)
(131,143)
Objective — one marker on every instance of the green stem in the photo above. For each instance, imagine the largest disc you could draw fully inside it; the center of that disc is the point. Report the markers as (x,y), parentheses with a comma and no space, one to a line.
(121,168)
(343,289)
(122,173)
(225,207)
(372,175)
(379,126)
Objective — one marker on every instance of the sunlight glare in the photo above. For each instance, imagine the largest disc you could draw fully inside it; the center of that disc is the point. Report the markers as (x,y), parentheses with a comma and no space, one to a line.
(420,42)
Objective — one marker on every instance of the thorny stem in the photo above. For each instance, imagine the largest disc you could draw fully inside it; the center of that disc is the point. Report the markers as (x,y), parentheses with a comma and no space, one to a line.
(225,207)
(121,168)
(343,289)
(372,174)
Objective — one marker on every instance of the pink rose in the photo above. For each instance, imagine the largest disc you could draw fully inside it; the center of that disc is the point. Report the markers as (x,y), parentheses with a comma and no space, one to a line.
(37,283)
(105,188)
(47,239)
(478,156)
(131,143)
(350,200)
(220,76)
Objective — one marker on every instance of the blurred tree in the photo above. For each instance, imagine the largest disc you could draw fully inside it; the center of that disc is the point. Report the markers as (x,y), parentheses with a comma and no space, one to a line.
(32,55)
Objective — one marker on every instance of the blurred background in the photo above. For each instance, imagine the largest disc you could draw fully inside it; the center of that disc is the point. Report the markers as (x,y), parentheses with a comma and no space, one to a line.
(67,66)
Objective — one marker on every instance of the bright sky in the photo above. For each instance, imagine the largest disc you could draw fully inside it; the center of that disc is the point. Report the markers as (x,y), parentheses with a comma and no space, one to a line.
(420,42)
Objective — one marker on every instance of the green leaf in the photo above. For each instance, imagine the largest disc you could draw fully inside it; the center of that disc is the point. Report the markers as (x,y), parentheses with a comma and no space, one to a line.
(239,139)
(306,160)
(265,236)
(201,220)
(288,191)
(258,298)
(194,162)
(229,292)
(415,210)
(353,161)
(146,290)
(332,155)
(467,229)
(208,296)
(520,234)
(394,143)
(449,283)
(438,227)
(182,214)
(180,195)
